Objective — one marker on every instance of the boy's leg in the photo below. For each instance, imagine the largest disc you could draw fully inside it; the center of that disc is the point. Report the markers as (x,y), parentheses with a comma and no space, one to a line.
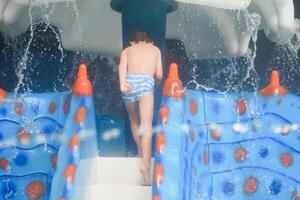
(133,112)
(146,116)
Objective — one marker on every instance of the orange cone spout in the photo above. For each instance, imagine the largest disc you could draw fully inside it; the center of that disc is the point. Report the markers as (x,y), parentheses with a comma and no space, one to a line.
(3,95)
(274,88)
(173,71)
(82,85)
(173,86)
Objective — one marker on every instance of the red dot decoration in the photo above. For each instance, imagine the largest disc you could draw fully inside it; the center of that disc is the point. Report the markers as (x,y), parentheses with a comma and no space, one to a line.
(156,197)
(192,135)
(4,164)
(81,114)
(193,107)
(74,141)
(67,105)
(164,113)
(241,106)
(215,134)
(159,173)
(70,172)
(54,160)
(52,107)
(254,128)
(35,190)
(284,130)
(19,108)
(160,142)
(205,157)
(240,154)
(250,186)
(23,136)
(286,159)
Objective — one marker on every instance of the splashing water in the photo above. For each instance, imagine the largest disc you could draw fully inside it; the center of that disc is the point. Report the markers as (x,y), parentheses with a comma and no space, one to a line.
(46,20)
(22,65)
(222,75)
(285,58)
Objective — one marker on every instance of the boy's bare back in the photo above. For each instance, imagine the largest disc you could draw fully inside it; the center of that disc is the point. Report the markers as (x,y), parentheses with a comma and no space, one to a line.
(143,58)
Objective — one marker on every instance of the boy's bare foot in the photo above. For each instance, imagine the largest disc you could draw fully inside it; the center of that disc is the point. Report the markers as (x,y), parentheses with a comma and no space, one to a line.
(146,174)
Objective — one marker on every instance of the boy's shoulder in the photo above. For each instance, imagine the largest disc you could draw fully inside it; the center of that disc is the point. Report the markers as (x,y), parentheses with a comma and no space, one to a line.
(155,47)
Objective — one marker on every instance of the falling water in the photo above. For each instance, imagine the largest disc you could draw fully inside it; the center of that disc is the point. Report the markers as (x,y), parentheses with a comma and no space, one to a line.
(22,65)
(47,22)
(223,74)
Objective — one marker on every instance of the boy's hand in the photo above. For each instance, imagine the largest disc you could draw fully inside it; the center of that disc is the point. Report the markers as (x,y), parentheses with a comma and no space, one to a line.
(125,87)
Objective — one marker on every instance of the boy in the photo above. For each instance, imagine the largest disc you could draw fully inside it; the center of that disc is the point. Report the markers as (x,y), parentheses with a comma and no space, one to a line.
(139,64)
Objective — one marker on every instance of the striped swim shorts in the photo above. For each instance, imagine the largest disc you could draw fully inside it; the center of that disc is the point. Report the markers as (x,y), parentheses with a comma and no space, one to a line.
(140,84)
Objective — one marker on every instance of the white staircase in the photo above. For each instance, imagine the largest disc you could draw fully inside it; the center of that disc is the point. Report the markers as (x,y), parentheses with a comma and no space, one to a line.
(110,179)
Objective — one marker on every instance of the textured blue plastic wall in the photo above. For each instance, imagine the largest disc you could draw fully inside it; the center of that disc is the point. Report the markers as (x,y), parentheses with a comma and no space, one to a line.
(234,146)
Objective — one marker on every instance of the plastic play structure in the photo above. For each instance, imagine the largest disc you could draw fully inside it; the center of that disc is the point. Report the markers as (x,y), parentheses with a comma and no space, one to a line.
(43,138)
(210,146)
(238,146)
(231,146)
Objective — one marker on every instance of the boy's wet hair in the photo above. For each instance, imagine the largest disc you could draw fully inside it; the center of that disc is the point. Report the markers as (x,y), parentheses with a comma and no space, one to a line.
(140,35)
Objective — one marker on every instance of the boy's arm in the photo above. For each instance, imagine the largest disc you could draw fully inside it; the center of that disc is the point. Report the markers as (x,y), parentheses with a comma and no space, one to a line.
(159,70)
(123,67)
(124,86)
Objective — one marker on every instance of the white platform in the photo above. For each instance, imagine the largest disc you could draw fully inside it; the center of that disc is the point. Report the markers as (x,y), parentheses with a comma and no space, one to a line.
(110,179)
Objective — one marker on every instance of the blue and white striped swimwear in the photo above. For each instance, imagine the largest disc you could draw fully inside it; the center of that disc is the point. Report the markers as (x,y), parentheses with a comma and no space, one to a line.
(140,84)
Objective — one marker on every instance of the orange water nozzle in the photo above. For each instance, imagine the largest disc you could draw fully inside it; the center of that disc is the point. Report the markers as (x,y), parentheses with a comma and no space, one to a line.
(173,86)
(173,71)
(274,88)
(82,85)
(3,95)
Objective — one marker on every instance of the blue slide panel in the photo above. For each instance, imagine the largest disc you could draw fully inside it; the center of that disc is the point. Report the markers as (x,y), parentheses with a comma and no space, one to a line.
(231,146)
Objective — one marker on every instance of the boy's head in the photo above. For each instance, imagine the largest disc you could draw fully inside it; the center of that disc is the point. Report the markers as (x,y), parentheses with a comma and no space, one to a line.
(140,36)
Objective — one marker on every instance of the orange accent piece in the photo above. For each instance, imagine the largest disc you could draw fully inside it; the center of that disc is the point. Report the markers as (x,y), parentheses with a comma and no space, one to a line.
(80,115)
(62,198)
(74,142)
(156,197)
(193,107)
(3,95)
(160,142)
(70,172)
(274,88)
(35,190)
(82,85)
(4,164)
(241,106)
(164,113)
(159,173)
(173,86)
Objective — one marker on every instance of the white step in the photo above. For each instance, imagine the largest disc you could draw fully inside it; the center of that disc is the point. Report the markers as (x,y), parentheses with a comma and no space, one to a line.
(112,193)
(110,171)
(110,179)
